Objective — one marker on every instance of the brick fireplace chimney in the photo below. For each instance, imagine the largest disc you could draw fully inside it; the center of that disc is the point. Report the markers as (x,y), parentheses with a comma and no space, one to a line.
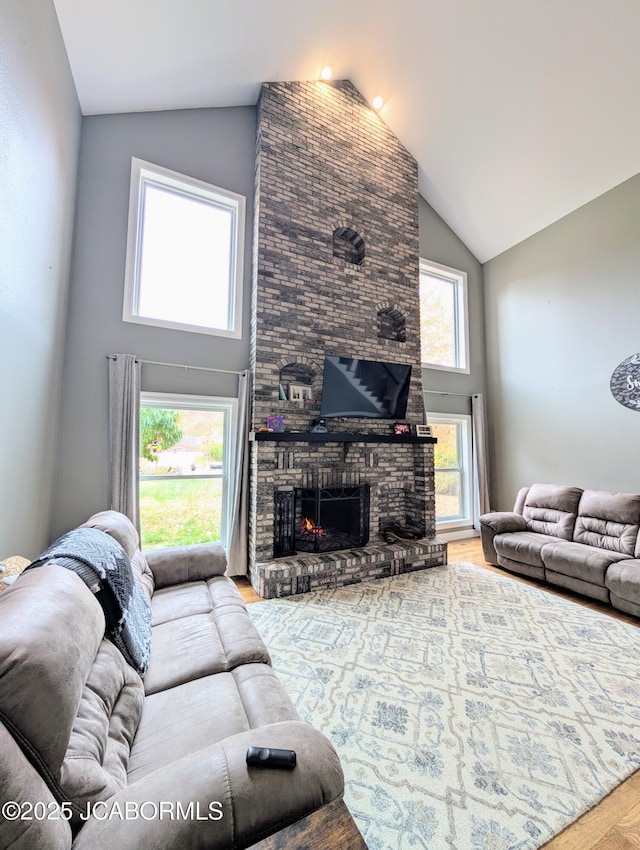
(335,272)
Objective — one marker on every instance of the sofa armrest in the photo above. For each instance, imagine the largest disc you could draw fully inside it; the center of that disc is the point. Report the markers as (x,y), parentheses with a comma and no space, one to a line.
(499,522)
(226,803)
(179,564)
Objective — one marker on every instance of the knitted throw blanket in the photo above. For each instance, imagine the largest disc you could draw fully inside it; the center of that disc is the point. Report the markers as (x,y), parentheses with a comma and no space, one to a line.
(103,565)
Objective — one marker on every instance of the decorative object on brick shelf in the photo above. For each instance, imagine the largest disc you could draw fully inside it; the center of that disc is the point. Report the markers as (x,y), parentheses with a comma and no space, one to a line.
(300,393)
(275,423)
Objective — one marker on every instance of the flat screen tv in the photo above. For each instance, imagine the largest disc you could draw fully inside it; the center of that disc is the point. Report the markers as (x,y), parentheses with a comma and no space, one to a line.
(364,388)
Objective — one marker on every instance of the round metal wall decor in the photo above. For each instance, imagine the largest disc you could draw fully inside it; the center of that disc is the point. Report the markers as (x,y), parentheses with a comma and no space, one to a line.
(625,382)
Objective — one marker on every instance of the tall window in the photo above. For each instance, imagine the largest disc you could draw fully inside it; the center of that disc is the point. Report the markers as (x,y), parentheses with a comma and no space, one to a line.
(185,455)
(184,253)
(454,480)
(443,318)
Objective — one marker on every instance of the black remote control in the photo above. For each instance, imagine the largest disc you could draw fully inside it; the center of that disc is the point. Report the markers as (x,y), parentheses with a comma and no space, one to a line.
(270,757)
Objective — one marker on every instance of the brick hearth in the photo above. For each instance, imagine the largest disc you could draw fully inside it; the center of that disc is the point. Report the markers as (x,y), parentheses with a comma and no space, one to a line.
(287,576)
(335,272)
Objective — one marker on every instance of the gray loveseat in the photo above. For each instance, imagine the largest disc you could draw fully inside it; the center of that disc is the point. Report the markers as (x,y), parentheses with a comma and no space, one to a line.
(159,763)
(584,540)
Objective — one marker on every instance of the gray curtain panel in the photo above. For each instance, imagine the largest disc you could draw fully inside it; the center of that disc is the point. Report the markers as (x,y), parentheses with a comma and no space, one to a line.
(124,434)
(479,426)
(237,554)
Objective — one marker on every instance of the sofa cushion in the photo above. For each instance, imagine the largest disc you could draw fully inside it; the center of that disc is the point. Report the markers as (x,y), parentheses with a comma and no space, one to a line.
(521,498)
(50,629)
(20,784)
(181,720)
(240,638)
(182,600)
(197,597)
(623,580)
(177,564)
(608,521)
(586,563)
(142,574)
(577,585)
(523,546)
(96,761)
(119,527)
(200,628)
(551,509)
(182,650)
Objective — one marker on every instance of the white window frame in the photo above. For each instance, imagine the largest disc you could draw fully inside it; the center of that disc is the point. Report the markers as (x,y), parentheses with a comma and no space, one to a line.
(229,406)
(467,478)
(461,314)
(146,173)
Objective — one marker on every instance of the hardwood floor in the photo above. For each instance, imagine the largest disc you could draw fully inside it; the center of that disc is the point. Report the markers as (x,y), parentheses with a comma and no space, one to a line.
(614,824)
(246,590)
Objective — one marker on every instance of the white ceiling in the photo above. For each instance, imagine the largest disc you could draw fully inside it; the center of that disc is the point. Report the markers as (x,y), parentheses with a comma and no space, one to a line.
(517,111)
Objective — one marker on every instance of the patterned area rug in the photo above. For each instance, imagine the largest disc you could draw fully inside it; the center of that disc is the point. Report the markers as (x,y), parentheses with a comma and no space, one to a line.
(470,711)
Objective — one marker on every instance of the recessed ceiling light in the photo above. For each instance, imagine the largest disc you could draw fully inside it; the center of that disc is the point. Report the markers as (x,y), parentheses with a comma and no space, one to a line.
(377,102)
(326,73)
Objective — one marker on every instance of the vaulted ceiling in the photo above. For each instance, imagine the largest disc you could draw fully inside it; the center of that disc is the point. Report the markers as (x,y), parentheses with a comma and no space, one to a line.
(517,111)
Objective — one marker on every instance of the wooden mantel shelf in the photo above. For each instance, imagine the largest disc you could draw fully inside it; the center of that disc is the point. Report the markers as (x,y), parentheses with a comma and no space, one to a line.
(335,437)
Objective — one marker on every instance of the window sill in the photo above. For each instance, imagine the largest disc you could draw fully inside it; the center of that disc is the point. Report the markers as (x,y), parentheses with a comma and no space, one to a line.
(462,370)
(180,326)
(450,534)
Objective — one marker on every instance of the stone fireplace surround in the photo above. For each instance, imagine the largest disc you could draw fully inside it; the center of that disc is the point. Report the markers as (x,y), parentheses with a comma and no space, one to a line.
(335,272)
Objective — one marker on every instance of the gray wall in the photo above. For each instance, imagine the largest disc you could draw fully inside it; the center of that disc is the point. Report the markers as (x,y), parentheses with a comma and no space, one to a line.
(441,245)
(215,145)
(40,131)
(562,310)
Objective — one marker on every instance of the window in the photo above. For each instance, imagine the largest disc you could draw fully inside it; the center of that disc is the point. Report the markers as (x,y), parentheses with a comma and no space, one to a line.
(186,449)
(452,456)
(443,318)
(184,253)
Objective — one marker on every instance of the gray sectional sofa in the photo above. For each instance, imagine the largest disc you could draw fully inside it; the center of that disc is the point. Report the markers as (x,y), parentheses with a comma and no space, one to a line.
(583,540)
(95,756)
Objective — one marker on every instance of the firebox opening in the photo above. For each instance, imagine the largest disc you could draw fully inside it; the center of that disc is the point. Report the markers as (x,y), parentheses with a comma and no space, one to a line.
(321,519)
(331,518)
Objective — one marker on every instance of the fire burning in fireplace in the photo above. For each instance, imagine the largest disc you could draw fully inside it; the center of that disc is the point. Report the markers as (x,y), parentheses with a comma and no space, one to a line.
(309,527)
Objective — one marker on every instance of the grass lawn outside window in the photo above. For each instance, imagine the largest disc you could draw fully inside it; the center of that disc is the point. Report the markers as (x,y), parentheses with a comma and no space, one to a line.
(181,511)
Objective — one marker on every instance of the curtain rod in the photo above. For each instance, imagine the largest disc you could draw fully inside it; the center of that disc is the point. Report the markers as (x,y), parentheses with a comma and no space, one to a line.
(181,366)
(443,392)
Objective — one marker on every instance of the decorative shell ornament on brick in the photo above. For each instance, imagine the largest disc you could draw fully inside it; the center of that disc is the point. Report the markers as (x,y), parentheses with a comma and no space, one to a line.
(625,382)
